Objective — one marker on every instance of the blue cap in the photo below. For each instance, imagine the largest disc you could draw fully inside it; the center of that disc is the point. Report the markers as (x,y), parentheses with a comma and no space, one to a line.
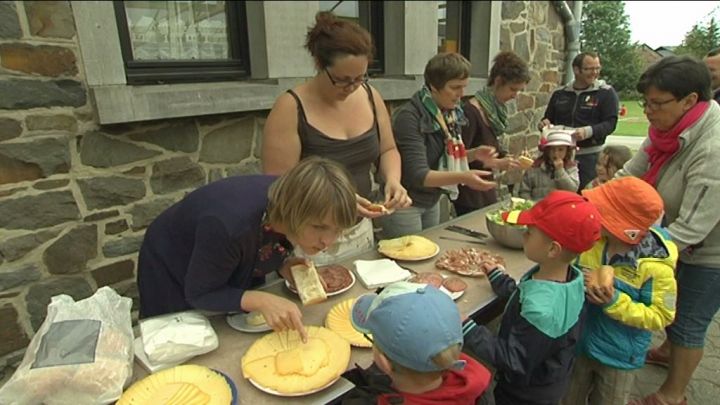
(410,323)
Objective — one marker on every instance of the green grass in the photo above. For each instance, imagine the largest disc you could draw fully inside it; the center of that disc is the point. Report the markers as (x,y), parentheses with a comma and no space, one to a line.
(634,122)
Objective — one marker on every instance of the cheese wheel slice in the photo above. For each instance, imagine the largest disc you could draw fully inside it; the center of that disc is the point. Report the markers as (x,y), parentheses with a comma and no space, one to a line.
(272,361)
(338,320)
(408,247)
(187,384)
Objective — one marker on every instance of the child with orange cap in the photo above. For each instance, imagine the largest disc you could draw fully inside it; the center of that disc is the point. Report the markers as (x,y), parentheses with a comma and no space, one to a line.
(617,334)
(535,348)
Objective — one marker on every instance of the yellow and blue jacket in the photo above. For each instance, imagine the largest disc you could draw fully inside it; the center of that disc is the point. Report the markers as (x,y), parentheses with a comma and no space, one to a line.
(617,334)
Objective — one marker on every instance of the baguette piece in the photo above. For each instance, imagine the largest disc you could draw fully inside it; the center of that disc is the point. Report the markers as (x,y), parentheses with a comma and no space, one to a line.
(525,162)
(308,285)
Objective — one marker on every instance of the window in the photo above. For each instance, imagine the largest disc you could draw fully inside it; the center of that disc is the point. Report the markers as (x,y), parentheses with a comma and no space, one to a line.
(183,41)
(454,19)
(369,15)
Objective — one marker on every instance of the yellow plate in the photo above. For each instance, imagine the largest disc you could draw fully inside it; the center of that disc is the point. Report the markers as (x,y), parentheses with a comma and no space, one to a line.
(338,320)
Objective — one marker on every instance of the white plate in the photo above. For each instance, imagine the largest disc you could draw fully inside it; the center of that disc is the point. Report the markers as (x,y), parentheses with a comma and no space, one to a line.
(340,291)
(239,322)
(296,394)
(414,259)
(453,295)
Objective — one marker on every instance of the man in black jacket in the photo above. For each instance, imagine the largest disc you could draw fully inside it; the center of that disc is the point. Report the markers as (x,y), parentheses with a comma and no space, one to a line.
(588,105)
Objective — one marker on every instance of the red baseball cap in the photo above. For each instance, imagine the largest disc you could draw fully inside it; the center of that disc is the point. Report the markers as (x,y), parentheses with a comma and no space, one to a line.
(566,217)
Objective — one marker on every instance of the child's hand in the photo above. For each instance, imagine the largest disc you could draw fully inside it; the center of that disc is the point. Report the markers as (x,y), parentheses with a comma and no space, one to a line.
(489,265)
(558,163)
(599,295)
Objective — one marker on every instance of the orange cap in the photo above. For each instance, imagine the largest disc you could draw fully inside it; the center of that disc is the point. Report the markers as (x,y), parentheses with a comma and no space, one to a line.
(628,207)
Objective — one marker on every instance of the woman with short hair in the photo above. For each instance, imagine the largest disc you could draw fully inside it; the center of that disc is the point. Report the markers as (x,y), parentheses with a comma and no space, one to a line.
(679,158)
(428,132)
(209,250)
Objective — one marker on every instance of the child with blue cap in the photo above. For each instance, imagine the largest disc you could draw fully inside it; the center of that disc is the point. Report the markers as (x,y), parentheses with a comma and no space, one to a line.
(417,338)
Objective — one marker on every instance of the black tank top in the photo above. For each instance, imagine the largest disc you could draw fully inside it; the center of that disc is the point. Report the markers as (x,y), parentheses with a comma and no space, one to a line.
(357,154)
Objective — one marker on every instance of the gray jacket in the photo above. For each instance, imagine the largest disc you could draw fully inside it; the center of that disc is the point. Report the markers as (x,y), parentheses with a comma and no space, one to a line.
(537,183)
(420,147)
(690,187)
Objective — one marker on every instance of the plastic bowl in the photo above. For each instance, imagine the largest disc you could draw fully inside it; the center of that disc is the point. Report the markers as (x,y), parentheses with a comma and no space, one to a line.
(507,235)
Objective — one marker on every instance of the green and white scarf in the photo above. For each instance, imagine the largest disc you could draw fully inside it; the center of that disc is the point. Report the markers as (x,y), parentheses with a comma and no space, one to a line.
(495,112)
(455,157)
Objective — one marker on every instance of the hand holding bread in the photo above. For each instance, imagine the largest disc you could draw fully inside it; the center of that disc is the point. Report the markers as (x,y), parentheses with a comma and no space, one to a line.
(599,287)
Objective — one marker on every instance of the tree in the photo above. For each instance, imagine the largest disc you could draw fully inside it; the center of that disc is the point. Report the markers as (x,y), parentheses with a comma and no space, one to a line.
(700,39)
(605,29)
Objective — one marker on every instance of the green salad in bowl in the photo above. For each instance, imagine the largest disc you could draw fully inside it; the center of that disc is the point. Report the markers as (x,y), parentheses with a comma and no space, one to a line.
(518,204)
(507,234)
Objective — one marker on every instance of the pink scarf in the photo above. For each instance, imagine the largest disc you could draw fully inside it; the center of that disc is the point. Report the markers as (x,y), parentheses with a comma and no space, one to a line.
(663,145)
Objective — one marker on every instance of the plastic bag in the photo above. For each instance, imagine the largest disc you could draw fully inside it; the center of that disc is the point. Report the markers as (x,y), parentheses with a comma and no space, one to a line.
(82,353)
(173,338)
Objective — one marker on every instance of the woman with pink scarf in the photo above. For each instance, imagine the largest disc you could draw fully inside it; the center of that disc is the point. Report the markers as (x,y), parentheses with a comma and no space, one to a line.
(680,158)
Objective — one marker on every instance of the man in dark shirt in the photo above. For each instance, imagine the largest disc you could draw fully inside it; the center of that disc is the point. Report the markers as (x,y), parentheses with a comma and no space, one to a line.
(588,105)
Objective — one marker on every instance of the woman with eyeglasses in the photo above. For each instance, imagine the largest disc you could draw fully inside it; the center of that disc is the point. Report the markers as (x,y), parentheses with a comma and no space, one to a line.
(428,131)
(679,158)
(338,115)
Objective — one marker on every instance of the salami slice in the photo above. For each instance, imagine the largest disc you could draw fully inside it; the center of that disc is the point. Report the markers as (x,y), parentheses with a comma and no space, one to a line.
(454,284)
(432,278)
(335,276)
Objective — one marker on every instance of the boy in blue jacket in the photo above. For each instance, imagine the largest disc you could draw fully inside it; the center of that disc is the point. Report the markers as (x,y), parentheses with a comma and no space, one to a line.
(535,348)
(620,317)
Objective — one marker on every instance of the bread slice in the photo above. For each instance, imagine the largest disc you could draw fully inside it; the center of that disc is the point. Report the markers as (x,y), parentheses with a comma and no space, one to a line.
(307,282)
(525,162)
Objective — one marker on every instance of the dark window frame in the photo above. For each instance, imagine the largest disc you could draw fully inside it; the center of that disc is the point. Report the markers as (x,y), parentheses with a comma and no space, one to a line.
(371,16)
(185,71)
(375,24)
(465,28)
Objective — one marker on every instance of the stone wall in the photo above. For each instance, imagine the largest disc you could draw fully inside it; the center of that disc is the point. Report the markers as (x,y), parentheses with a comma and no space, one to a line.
(76,197)
(534,30)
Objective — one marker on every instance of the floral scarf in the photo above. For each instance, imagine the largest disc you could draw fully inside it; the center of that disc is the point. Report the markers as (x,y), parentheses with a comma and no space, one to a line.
(455,157)
(663,145)
(495,111)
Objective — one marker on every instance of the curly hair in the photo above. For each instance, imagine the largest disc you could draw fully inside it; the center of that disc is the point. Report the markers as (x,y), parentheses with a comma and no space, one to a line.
(331,37)
(509,67)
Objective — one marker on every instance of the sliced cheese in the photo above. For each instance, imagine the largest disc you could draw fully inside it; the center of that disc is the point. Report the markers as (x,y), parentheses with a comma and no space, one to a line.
(307,282)
(408,247)
(182,385)
(281,362)
(338,320)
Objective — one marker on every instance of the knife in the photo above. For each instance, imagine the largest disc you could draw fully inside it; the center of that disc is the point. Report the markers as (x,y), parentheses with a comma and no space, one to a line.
(466,231)
(479,242)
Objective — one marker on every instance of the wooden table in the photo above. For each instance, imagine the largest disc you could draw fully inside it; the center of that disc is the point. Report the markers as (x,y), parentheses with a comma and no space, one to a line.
(233,344)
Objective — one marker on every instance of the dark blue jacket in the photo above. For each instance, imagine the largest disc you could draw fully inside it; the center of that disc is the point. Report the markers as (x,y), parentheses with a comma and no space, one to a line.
(205,251)
(596,107)
(535,347)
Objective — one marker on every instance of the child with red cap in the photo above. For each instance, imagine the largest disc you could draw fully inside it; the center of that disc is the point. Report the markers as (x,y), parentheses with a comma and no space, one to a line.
(535,347)
(617,334)
(555,169)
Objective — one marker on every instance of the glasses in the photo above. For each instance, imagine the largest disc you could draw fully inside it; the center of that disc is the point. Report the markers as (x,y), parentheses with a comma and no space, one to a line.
(347,83)
(366,336)
(591,69)
(654,105)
